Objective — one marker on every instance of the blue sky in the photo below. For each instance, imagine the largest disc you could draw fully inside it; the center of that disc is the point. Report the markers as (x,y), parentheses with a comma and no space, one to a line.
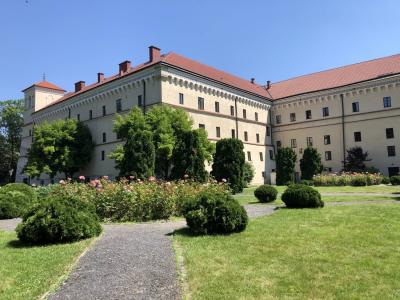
(269,40)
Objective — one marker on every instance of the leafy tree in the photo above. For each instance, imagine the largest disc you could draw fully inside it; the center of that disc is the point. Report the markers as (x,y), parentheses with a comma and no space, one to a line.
(64,146)
(310,164)
(229,163)
(248,173)
(11,122)
(137,156)
(285,162)
(188,157)
(355,159)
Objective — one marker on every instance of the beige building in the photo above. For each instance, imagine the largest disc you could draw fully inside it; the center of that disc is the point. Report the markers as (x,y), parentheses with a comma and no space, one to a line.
(331,110)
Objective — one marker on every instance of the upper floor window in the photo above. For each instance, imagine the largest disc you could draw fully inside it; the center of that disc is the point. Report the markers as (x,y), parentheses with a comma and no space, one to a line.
(293,143)
(268,131)
(202,126)
(216,106)
(271,154)
(90,114)
(218,131)
(309,141)
(261,156)
(104,110)
(308,114)
(244,114)
(246,136)
(232,110)
(256,116)
(387,102)
(391,150)
(278,119)
(78,117)
(357,136)
(355,106)
(325,111)
(248,155)
(103,155)
(139,100)
(257,137)
(181,99)
(118,105)
(104,137)
(327,139)
(389,133)
(292,117)
(69,113)
(328,155)
(200,103)
(278,144)
(233,133)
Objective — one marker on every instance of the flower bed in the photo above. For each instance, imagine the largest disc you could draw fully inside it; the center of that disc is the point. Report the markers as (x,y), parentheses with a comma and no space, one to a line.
(348,178)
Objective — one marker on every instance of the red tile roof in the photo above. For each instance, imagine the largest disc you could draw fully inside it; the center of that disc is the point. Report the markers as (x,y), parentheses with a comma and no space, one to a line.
(337,77)
(46,85)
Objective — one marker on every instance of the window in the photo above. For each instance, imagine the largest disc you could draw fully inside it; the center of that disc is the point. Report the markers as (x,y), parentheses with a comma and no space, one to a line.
(104,137)
(200,103)
(78,117)
(308,115)
(327,139)
(271,154)
(355,106)
(139,100)
(268,131)
(325,111)
(309,141)
(257,137)
(218,131)
(103,155)
(391,150)
(278,119)
(293,143)
(181,99)
(248,155)
(233,133)
(261,156)
(357,136)
(90,114)
(246,136)
(69,113)
(387,102)
(256,116)
(389,133)
(232,110)
(292,117)
(202,126)
(328,155)
(118,105)
(263,174)
(216,106)
(278,144)
(104,110)
(244,114)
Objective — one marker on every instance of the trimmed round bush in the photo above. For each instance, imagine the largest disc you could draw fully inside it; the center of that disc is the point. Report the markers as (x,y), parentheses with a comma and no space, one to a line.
(359,181)
(395,180)
(266,193)
(215,212)
(15,198)
(385,180)
(59,220)
(302,196)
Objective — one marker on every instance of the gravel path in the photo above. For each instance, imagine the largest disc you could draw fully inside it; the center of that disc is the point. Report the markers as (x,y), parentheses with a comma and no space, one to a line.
(259,210)
(361,202)
(10,224)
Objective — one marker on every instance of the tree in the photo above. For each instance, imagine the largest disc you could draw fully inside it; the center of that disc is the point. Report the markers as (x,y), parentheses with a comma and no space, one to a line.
(188,157)
(11,122)
(355,160)
(229,163)
(136,156)
(310,164)
(64,146)
(248,173)
(285,162)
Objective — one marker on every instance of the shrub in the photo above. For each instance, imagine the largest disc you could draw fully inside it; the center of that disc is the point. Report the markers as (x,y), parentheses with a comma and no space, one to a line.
(385,180)
(15,198)
(285,163)
(266,193)
(215,213)
(307,182)
(310,164)
(359,181)
(248,173)
(346,178)
(395,180)
(301,196)
(59,220)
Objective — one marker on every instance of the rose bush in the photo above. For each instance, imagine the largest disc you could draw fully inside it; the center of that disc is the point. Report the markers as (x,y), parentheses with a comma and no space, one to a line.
(347,178)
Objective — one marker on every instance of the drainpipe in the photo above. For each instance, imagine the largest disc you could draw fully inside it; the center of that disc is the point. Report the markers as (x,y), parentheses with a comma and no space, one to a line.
(236,119)
(343,132)
(144,96)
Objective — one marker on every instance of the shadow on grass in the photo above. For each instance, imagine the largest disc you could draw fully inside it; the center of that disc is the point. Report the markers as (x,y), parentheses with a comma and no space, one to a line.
(186,232)
(20,245)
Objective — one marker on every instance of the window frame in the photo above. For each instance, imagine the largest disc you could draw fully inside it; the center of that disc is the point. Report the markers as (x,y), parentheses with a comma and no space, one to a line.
(292,117)
(118,105)
(181,99)
(355,107)
(387,102)
(200,103)
(391,151)
(327,139)
(308,114)
(325,111)
(357,136)
(389,136)
(216,106)
(293,143)
(328,155)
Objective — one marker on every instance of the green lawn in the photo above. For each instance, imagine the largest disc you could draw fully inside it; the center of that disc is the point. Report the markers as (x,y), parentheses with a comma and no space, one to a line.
(342,252)
(29,272)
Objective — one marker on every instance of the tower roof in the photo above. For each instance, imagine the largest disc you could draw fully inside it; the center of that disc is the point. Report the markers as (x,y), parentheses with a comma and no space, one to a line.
(46,85)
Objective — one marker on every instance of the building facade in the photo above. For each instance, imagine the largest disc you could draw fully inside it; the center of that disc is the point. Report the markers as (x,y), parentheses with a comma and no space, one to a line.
(331,110)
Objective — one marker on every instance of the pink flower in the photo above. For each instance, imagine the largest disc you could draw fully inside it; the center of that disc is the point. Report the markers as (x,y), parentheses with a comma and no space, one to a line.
(223,180)
(62,182)
(186,176)
(131,177)
(152,178)
(105,177)
(82,177)
(69,179)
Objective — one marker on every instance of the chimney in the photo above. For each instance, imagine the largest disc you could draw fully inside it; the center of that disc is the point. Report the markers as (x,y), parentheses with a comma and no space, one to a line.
(79,86)
(124,67)
(100,77)
(252,80)
(268,84)
(154,53)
